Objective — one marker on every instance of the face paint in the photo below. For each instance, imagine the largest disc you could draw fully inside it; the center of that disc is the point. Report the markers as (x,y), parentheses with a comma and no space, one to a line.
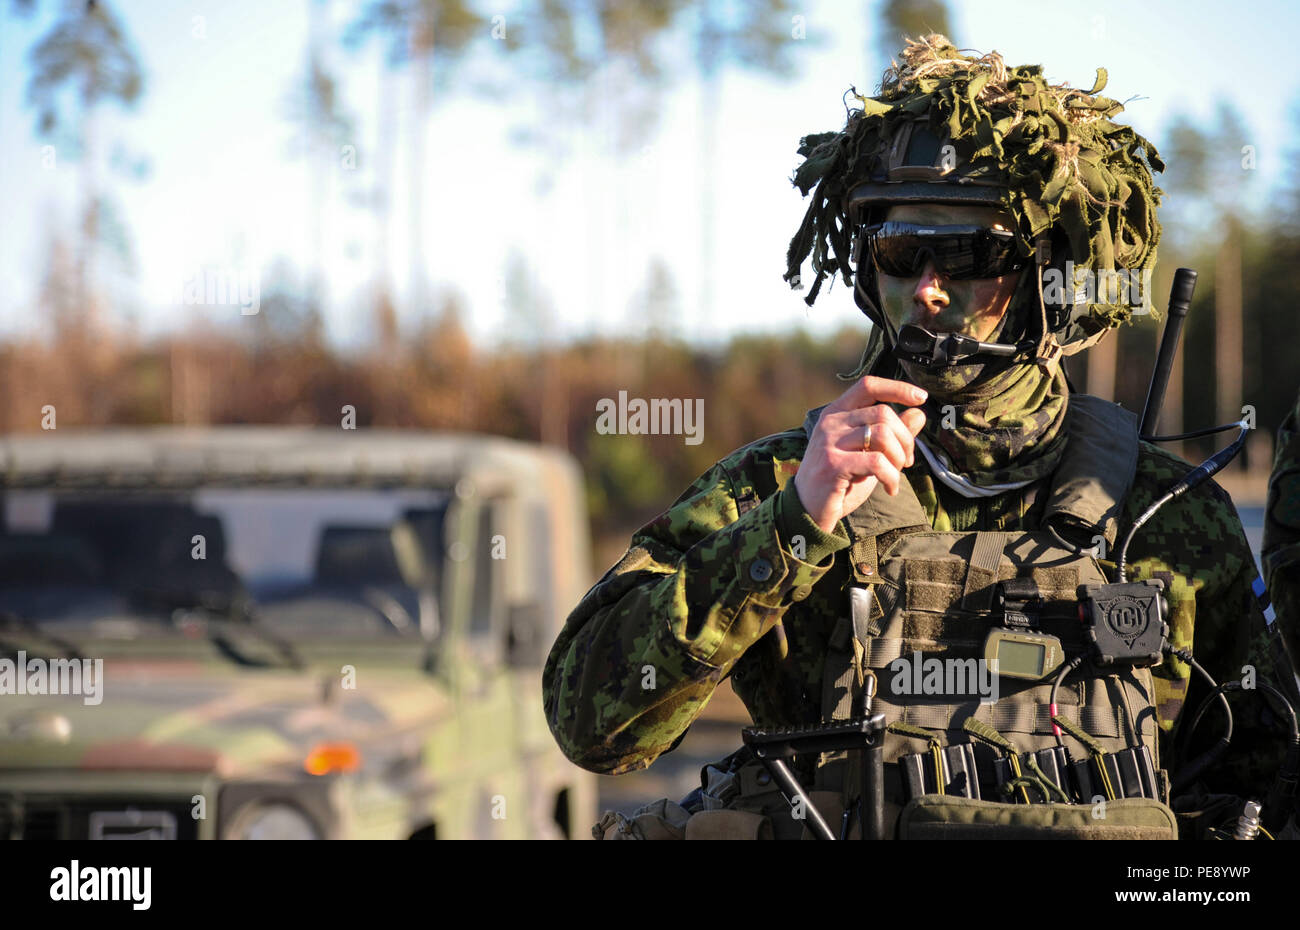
(975,307)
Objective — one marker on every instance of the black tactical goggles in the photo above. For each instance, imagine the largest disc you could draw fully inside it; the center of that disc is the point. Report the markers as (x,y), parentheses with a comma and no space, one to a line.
(958,252)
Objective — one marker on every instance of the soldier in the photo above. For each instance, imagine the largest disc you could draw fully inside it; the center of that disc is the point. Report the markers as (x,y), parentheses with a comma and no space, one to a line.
(1281,551)
(957,487)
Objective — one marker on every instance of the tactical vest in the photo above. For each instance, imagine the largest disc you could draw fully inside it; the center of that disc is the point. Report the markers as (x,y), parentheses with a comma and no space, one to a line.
(918,595)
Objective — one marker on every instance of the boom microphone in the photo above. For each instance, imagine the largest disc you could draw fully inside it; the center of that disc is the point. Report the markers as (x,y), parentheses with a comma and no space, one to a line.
(922,347)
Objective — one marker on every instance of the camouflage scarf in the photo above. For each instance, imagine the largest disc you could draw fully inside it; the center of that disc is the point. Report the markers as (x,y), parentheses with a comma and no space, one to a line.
(1005,426)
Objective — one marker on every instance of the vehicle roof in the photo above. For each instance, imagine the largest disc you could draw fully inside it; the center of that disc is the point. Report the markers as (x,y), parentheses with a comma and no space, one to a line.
(168,456)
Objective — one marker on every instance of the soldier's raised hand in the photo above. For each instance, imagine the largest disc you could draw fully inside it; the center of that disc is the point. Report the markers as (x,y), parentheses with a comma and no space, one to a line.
(841,467)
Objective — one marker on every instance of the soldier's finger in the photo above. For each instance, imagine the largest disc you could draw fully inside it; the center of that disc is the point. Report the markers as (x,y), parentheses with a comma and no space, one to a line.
(906,438)
(872,390)
(877,465)
(913,419)
(880,439)
(888,434)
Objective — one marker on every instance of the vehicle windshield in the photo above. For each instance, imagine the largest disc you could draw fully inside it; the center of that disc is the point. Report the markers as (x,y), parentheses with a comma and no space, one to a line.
(301,562)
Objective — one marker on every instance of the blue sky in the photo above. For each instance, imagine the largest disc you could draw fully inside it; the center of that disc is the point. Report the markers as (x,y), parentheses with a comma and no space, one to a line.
(227,191)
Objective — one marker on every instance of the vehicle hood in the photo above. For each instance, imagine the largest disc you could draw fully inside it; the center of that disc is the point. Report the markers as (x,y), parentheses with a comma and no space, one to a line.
(189,716)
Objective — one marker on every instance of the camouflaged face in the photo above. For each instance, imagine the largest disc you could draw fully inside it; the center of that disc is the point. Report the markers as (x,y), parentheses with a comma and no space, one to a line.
(718,586)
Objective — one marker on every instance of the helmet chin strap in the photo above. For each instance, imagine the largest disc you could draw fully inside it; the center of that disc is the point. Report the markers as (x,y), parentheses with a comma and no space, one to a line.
(1047,351)
(879,323)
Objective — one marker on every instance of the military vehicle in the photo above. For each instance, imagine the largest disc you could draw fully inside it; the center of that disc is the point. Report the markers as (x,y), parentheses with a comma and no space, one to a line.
(299,633)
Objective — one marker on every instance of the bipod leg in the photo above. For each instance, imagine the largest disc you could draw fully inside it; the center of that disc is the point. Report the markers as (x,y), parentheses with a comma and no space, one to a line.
(794,793)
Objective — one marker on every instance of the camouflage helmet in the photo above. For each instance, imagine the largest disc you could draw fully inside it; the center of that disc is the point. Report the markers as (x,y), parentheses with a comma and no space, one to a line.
(948,128)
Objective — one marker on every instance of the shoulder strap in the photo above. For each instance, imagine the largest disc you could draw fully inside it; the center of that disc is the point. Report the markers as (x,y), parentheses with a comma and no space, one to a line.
(1098,466)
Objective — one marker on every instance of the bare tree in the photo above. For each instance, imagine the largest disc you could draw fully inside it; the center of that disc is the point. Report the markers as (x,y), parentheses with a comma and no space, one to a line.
(429,37)
(1206,178)
(759,36)
(902,18)
(88,51)
(316,108)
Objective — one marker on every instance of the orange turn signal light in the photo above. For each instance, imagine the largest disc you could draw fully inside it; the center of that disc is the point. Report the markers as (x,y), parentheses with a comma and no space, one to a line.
(327,758)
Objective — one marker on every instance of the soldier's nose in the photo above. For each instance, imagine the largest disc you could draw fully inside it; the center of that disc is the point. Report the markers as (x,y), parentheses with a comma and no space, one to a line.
(930,294)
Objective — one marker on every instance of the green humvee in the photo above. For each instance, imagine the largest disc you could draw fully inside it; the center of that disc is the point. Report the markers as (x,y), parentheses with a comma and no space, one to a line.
(284,633)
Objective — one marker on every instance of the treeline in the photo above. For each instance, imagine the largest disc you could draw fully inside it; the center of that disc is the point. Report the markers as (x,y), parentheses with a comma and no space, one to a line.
(433,378)
(277,368)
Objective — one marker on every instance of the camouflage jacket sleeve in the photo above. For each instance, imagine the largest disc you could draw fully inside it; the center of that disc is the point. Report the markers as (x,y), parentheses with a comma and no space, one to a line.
(1197,546)
(1281,555)
(639,657)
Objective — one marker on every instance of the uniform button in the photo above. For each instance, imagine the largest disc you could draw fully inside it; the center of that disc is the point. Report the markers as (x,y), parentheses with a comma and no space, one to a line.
(801,592)
(760,569)
(866,569)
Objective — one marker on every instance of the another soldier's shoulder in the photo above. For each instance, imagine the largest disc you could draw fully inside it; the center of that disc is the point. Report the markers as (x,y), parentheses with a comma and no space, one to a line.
(1197,535)
(1156,463)
(1158,470)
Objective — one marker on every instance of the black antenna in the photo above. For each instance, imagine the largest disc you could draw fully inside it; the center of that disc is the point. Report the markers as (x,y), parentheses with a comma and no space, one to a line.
(1180,298)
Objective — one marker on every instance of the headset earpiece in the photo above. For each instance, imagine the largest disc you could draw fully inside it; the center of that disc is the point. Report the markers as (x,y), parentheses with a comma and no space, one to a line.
(1058,307)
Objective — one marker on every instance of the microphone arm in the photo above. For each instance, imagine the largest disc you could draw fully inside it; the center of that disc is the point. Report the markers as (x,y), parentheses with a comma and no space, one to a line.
(922,347)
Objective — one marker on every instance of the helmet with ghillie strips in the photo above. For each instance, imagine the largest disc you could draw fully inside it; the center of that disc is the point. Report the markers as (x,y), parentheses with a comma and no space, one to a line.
(948,128)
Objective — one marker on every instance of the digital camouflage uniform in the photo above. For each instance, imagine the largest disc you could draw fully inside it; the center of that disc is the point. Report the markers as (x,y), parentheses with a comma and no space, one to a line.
(736,580)
(1281,549)
(1281,555)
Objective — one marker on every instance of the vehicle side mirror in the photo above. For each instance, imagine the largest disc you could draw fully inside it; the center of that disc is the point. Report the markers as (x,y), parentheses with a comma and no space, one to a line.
(525,645)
